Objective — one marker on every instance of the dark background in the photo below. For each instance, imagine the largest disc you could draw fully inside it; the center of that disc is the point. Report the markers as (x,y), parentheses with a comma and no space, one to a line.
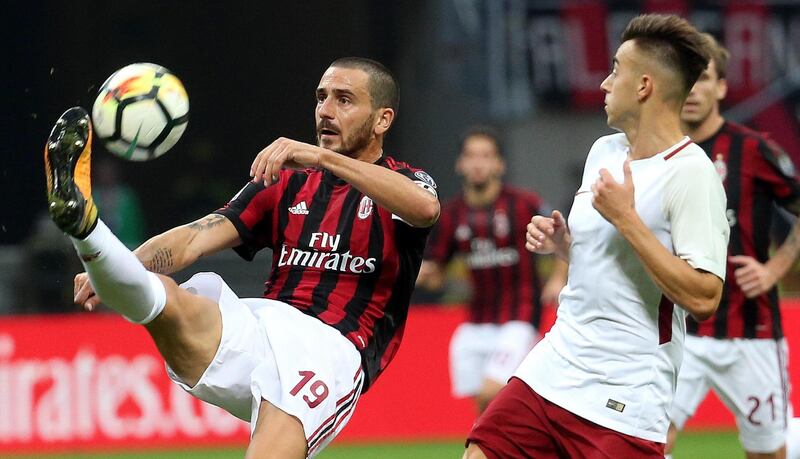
(530,67)
(250,69)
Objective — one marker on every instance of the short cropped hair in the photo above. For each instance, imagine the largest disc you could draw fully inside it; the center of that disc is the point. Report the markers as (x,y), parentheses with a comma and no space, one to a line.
(481,130)
(672,41)
(384,91)
(718,54)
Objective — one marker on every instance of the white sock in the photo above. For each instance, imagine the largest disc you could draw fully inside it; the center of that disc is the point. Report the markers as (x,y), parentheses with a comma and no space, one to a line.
(119,278)
(668,456)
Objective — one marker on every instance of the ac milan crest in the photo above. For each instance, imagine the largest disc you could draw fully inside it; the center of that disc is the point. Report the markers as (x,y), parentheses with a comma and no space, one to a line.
(721,167)
(365,208)
(501,224)
(463,232)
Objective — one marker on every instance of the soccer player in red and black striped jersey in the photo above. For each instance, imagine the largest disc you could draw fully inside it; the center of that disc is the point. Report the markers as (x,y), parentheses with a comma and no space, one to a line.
(741,352)
(347,226)
(486,225)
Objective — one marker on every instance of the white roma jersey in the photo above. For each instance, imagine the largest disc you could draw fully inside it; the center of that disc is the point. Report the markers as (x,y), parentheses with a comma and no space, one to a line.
(613,355)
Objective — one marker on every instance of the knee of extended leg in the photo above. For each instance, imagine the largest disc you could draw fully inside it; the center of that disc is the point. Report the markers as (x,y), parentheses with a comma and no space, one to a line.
(169,284)
(174,300)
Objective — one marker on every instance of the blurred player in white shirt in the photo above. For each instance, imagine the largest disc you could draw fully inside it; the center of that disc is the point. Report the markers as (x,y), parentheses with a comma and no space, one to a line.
(646,244)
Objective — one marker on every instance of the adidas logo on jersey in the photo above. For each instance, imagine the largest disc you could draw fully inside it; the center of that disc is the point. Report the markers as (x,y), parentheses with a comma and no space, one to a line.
(299,209)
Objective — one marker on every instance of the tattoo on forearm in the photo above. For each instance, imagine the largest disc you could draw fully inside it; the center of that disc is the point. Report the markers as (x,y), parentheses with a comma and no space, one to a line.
(207,222)
(160,262)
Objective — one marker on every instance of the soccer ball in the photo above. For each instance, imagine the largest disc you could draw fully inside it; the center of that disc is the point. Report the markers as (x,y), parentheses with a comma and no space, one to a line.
(140,112)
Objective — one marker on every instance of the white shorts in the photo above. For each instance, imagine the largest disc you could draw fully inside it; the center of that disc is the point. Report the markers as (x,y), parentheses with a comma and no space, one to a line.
(749,376)
(487,351)
(270,350)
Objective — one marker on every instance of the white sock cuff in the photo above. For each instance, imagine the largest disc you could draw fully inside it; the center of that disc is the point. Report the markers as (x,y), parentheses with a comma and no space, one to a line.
(94,243)
(159,299)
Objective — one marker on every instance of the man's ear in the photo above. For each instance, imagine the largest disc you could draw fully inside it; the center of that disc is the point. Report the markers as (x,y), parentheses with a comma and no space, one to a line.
(502,166)
(459,166)
(384,120)
(645,87)
(722,88)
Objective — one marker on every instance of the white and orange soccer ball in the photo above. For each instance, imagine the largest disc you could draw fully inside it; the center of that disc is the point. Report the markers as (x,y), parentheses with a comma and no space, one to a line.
(140,112)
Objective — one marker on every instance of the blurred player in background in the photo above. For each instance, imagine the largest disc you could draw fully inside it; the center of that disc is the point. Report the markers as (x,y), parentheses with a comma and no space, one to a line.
(647,232)
(741,353)
(486,224)
(347,227)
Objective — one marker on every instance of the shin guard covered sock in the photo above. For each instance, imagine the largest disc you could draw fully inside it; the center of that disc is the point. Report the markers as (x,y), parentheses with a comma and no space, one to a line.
(119,278)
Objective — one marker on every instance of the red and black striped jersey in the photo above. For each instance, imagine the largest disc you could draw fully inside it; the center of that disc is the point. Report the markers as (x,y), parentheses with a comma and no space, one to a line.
(336,255)
(756,173)
(503,273)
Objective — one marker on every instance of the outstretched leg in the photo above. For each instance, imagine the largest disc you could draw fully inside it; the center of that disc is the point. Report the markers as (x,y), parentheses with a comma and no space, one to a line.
(186,328)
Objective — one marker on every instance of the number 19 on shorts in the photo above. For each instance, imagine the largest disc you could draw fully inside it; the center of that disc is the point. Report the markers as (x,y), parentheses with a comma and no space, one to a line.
(318,391)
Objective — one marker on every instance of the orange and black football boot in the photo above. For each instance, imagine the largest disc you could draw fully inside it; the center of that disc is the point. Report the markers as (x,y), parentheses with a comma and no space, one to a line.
(67,162)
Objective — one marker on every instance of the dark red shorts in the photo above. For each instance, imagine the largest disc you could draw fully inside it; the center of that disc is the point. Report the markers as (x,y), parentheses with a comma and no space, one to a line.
(519,423)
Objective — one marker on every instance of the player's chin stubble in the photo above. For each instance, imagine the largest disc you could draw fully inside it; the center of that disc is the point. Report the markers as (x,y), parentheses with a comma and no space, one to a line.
(354,142)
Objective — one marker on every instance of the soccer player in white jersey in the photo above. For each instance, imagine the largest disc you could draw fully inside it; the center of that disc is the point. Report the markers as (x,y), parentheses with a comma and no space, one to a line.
(646,244)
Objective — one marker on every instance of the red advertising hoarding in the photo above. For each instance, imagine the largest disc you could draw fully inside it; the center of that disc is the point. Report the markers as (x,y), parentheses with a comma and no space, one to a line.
(95,382)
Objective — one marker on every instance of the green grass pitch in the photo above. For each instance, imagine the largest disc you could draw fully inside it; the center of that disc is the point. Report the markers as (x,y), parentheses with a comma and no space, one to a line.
(696,445)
